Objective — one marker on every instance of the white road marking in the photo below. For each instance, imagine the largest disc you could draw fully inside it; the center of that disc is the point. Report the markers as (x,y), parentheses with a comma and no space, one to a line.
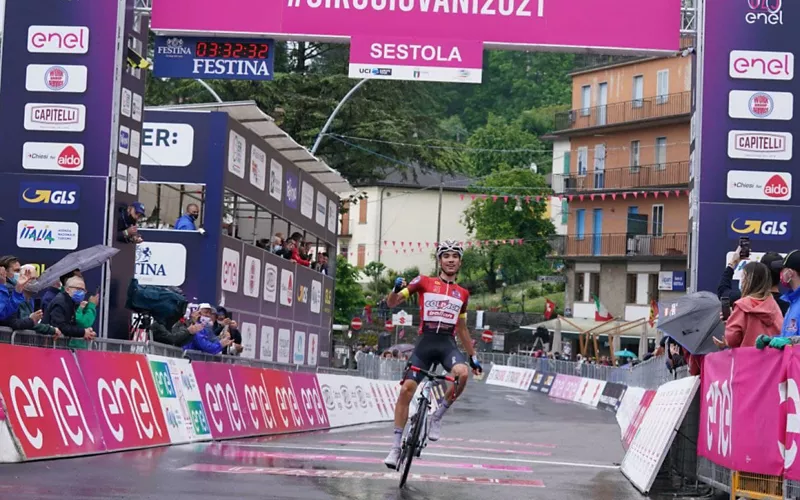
(428,454)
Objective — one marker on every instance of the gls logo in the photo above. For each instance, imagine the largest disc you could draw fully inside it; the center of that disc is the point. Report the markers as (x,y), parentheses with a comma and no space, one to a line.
(768,12)
(760,226)
(49,195)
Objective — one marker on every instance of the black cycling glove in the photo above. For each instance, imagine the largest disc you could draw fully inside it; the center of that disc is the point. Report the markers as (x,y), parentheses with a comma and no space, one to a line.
(475,364)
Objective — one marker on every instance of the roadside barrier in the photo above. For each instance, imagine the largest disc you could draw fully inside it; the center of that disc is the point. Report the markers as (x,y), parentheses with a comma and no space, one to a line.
(117,395)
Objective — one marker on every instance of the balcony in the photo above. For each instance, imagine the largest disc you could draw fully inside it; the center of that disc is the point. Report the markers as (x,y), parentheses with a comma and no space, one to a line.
(599,246)
(659,108)
(663,175)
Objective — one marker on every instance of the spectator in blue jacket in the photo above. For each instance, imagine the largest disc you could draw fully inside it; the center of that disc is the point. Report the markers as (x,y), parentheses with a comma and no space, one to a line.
(790,278)
(11,298)
(205,340)
(186,222)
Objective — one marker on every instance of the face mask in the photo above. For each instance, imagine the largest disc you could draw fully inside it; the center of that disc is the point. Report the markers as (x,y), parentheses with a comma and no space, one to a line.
(13,279)
(205,320)
(786,278)
(78,296)
(193,216)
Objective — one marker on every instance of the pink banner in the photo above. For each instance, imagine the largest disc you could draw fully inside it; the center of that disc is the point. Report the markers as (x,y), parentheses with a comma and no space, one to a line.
(557,389)
(790,413)
(571,388)
(632,24)
(243,401)
(415,52)
(742,418)
(49,407)
(125,399)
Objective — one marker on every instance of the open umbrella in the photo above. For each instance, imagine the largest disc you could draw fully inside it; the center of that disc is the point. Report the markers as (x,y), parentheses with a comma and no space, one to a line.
(82,260)
(692,321)
(624,354)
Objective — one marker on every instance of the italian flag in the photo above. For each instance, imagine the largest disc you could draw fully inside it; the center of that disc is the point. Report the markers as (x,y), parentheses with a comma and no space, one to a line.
(601,313)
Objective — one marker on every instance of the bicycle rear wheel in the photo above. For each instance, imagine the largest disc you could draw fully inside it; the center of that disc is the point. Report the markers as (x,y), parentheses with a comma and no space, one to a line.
(413,441)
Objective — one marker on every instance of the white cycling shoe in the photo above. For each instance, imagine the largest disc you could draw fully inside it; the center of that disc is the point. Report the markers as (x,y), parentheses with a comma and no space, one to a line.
(392,459)
(435,432)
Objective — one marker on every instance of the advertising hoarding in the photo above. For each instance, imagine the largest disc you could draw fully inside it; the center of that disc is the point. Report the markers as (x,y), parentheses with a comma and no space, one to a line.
(745,94)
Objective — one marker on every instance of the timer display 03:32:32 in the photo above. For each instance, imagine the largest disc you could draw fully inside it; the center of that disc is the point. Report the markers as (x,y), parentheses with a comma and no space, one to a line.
(231,50)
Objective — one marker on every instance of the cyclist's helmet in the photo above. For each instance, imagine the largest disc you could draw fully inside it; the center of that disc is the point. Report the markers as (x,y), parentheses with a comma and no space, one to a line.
(449,246)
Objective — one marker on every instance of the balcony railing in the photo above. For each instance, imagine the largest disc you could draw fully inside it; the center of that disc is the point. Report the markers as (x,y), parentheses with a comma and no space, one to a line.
(620,245)
(672,174)
(620,113)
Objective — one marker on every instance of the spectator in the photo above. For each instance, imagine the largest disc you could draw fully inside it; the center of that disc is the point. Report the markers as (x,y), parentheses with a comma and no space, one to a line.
(27,318)
(12,266)
(51,292)
(181,332)
(725,288)
(129,216)
(755,313)
(204,340)
(60,313)
(295,250)
(322,262)
(277,243)
(186,222)
(790,277)
(225,324)
(10,297)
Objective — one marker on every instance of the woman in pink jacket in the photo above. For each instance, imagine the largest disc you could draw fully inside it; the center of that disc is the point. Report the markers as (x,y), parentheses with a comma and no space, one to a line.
(756,313)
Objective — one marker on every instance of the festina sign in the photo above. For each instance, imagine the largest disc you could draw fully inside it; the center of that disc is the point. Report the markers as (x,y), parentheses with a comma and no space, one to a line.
(213,58)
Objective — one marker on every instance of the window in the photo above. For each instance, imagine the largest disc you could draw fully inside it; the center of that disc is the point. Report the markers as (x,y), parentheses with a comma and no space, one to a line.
(580,223)
(636,158)
(662,90)
(567,160)
(652,288)
(583,160)
(594,286)
(658,221)
(630,289)
(564,211)
(362,256)
(633,210)
(362,212)
(586,99)
(638,91)
(661,153)
(343,251)
(579,286)
(344,226)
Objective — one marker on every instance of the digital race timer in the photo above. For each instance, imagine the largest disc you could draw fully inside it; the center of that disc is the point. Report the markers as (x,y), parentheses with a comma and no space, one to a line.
(213,58)
(232,50)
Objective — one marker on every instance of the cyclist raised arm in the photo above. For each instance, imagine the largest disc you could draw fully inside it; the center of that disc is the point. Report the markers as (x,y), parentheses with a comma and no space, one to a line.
(443,314)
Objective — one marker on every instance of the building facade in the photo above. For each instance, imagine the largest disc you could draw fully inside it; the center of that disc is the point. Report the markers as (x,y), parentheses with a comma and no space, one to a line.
(621,160)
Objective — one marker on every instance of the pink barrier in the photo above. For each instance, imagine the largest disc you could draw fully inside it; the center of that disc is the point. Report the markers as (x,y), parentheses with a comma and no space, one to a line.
(47,403)
(743,411)
(244,401)
(123,394)
(636,421)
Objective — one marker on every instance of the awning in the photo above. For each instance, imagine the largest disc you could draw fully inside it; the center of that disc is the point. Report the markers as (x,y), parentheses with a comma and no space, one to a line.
(250,115)
(587,324)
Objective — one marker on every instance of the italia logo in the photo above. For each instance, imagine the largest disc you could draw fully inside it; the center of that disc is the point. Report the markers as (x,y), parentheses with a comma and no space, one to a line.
(776,187)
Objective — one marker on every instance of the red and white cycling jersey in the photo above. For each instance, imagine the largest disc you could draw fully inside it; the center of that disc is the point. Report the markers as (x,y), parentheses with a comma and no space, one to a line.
(441,303)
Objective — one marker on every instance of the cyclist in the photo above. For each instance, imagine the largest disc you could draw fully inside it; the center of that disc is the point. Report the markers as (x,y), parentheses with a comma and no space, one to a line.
(443,314)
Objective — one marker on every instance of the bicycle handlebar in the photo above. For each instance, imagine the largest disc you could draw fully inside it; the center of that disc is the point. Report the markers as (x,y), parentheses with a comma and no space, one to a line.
(431,375)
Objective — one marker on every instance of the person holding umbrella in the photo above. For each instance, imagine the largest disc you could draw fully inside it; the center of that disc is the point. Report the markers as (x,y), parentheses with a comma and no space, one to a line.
(756,312)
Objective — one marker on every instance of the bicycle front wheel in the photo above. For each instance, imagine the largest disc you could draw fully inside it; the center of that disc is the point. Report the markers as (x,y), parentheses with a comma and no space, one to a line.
(413,441)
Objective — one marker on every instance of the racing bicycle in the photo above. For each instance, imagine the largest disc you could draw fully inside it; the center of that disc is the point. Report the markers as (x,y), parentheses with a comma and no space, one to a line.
(416,436)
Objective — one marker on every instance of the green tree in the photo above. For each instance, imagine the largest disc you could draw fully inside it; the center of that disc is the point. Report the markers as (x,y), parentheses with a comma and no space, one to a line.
(499,220)
(501,142)
(375,271)
(349,297)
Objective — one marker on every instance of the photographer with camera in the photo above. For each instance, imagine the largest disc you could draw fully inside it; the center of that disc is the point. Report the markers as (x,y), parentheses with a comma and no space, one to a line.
(205,340)
(225,324)
(725,288)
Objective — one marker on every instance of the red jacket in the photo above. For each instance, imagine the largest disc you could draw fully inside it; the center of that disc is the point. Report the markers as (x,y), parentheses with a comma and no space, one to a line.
(296,257)
(750,318)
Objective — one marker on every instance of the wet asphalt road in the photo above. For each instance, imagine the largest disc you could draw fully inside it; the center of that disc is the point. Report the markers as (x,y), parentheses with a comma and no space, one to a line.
(496,444)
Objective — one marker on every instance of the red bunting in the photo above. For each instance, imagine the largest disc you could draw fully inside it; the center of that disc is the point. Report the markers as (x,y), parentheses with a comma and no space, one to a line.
(394,243)
(527,199)
(687,192)
(613,196)
(484,196)
(505,199)
(624,196)
(427,243)
(603,196)
(538,198)
(402,243)
(473,197)
(666,194)
(385,242)
(636,195)
(494,198)
(678,192)
(580,197)
(462,196)
(591,196)
(569,198)
(655,194)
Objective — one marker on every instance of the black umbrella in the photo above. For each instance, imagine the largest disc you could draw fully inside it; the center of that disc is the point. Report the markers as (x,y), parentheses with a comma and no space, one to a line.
(692,321)
(82,260)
